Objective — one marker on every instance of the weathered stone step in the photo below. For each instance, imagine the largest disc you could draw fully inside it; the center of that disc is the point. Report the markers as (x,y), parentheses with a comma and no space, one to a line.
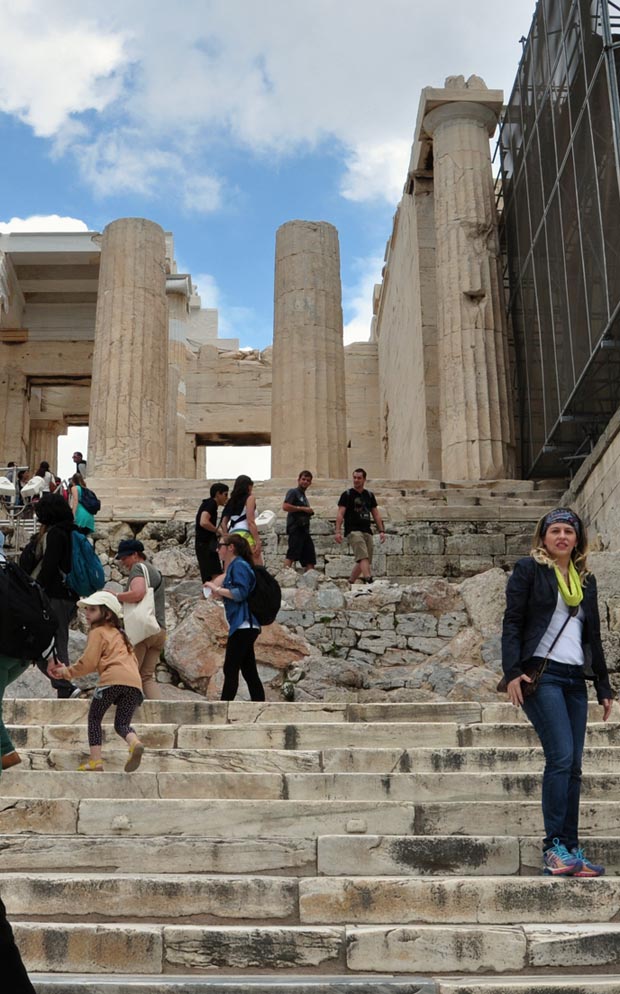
(415,787)
(393,948)
(528,983)
(193,898)
(99,854)
(600,759)
(209,818)
(301,984)
(448,855)
(35,711)
(312,735)
(297,819)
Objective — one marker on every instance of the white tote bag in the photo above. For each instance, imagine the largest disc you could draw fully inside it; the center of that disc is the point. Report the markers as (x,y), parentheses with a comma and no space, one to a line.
(139,618)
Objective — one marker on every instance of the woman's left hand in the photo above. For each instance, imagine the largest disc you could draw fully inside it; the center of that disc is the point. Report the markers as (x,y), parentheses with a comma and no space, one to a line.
(606,708)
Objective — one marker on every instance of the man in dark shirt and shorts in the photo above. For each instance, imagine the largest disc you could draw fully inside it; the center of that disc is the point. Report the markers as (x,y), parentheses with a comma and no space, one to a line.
(356,507)
(205,542)
(300,544)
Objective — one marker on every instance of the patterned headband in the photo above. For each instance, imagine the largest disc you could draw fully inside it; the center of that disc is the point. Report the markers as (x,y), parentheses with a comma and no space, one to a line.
(561,514)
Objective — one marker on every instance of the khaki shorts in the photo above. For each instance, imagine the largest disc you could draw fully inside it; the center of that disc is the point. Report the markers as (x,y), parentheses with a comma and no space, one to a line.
(361,545)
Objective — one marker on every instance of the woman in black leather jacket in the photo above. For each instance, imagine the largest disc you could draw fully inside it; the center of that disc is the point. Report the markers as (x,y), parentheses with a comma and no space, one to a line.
(552,614)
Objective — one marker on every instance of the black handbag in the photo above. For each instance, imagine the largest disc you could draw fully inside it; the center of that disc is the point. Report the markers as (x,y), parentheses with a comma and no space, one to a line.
(535,669)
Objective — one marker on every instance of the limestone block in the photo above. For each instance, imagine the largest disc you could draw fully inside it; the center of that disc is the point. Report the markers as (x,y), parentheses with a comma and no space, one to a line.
(238,819)
(241,948)
(416,624)
(252,786)
(360,760)
(436,711)
(176,563)
(330,598)
(48,784)
(420,544)
(158,896)
(475,545)
(439,949)
(32,853)
(37,815)
(270,711)
(485,599)
(26,736)
(503,818)
(449,624)
(435,595)
(394,856)
(562,946)
(350,787)
(378,642)
(69,948)
(378,597)
(311,736)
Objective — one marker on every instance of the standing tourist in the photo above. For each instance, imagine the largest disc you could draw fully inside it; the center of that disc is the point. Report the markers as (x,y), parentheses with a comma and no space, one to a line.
(10,669)
(109,653)
(356,507)
(552,627)
(84,520)
(207,532)
(49,480)
(80,463)
(142,574)
(243,628)
(48,559)
(298,514)
(239,517)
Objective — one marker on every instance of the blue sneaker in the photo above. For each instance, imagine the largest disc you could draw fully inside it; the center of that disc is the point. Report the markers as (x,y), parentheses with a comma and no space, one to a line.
(559,862)
(588,868)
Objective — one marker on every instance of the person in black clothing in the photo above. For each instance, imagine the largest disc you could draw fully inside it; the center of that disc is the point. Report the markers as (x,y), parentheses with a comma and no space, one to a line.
(298,514)
(356,507)
(14,976)
(47,558)
(207,532)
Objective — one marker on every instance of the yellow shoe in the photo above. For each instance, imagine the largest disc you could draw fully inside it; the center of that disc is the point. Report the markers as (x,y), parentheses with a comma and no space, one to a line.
(91,766)
(136,752)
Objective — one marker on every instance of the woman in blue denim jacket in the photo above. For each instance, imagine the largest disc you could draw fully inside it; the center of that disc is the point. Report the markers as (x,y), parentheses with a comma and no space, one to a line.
(243,628)
(552,613)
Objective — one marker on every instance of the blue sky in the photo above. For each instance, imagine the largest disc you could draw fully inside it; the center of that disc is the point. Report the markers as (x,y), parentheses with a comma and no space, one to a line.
(222,119)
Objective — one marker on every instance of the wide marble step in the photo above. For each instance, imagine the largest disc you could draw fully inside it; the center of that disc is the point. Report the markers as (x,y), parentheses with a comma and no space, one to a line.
(413,787)
(527,759)
(196,898)
(394,948)
(300,984)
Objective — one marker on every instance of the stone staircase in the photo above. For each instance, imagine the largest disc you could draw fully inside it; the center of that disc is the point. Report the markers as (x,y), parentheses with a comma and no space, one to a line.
(311,848)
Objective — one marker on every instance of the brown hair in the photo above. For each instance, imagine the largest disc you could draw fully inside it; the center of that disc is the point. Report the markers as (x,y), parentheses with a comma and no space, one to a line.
(78,479)
(240,545)
(578,555)
(109,618)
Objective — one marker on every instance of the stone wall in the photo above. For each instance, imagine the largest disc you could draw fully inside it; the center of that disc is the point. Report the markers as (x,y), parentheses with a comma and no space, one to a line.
(595,490)
(361,370)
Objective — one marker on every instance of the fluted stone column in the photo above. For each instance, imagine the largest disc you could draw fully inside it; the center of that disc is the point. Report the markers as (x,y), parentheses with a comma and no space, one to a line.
(308,408)
(44,443)
(14,413)
(127,434)
(477,430)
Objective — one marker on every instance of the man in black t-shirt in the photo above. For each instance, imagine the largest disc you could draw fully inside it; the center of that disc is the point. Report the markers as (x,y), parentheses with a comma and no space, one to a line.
(296,504)
(357,508)
(206,532)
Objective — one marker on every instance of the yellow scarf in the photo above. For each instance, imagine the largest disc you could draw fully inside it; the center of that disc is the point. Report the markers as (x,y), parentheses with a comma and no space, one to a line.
(572,594)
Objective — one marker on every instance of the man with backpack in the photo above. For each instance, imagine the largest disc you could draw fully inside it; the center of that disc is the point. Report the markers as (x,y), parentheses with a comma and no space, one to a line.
(356,507)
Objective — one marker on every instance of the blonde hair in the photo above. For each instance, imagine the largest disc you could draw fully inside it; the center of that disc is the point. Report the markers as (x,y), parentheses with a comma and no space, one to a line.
(539,553)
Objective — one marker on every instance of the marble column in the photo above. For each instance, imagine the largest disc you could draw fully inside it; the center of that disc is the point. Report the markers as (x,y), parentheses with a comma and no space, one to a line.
(44,443)
(308,412)
(14,415)
(127,427)
(477,432)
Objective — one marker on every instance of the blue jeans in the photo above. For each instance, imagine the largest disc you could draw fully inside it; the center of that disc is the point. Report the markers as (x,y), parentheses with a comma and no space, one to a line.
(558,710)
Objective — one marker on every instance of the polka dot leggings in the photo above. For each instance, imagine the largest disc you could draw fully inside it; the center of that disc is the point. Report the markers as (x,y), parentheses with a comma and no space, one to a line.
(127,699)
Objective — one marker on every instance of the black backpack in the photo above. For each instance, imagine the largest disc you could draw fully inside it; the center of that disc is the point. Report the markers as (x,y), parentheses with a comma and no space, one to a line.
(266,598)
(27,622)
(89,501)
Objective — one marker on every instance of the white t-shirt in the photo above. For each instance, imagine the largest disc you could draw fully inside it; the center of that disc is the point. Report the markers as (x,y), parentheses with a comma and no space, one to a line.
(568,648)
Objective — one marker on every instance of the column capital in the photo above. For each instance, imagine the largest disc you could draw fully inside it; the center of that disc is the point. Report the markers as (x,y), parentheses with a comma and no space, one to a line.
(465,111)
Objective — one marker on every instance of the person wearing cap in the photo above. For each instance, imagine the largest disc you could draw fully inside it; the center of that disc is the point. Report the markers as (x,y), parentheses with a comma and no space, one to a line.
(552,622)
(131,556)
(109,653)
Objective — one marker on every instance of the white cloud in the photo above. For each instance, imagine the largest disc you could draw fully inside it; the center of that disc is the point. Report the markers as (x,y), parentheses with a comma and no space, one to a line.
(43,222)
(357,300)
(54,66)
(376,171)
(207,289)
(138,97)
